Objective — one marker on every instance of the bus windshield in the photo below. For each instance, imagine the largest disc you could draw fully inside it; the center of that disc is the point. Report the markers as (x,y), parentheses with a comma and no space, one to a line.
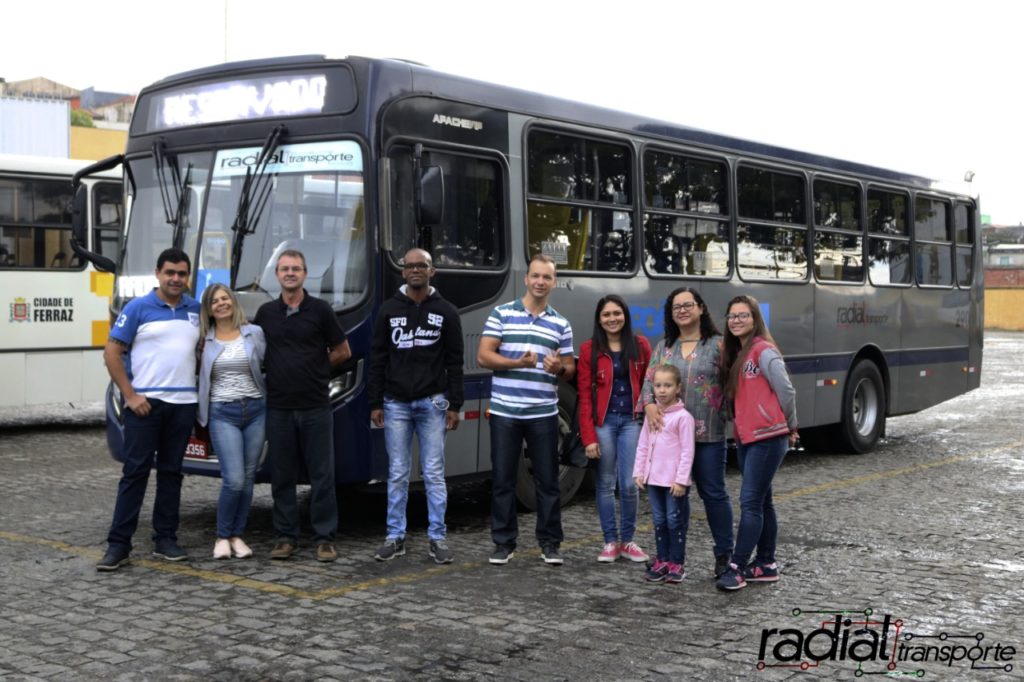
(310,199)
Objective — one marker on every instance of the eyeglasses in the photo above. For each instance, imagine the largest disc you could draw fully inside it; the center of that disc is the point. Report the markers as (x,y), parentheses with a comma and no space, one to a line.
(416,266)
(689,305)
(737,316)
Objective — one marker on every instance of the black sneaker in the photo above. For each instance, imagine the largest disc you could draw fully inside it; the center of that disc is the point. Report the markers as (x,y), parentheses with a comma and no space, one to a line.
(112,560)
(168,550)
(758,572)
(439,552)
(732,579)
(721,564)
(501,554)
(551,556)
(391,548)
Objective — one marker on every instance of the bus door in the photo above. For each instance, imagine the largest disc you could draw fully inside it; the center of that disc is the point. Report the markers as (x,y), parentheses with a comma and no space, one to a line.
(467,240)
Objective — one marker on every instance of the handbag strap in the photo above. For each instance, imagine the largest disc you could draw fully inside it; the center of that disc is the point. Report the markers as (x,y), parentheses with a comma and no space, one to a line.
(593,375)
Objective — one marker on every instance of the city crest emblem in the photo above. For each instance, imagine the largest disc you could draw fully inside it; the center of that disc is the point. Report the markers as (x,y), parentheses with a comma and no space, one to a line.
(20,310)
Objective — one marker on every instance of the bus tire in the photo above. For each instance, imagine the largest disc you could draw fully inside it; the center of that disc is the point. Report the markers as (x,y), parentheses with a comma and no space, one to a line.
(569,478)
(863,416)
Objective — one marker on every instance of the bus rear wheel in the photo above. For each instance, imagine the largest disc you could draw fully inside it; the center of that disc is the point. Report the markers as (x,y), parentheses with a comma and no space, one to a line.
(569,478)
(863,416)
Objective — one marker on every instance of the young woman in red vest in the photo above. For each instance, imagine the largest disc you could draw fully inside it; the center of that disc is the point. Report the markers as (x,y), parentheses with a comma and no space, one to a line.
(610,374)
(764,408)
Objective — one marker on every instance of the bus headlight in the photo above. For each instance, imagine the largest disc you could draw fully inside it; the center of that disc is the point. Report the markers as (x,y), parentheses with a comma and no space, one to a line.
(345,384)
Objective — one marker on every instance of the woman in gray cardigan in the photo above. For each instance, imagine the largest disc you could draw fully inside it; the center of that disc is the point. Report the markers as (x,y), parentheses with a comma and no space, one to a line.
(232,402)
(693,344)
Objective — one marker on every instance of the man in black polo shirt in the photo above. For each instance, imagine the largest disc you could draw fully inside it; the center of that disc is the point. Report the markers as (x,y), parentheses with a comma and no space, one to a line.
(304,340)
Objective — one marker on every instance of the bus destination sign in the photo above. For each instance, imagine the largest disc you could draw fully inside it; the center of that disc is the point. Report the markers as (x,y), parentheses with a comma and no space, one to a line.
(239,100)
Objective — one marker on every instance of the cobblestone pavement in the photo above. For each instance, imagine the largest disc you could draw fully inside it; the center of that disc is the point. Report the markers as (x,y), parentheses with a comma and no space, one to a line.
(921,535)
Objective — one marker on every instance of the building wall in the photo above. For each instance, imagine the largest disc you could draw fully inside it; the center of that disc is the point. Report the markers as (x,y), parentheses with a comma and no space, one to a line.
(96,143)
(36,127)
(1004,278)
(1004,309)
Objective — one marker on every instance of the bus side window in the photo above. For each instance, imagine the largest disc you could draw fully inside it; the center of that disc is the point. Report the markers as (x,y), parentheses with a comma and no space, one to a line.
(35,223)
(580,202)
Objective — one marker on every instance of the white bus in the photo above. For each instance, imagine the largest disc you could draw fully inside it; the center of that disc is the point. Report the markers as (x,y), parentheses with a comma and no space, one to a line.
(56,303)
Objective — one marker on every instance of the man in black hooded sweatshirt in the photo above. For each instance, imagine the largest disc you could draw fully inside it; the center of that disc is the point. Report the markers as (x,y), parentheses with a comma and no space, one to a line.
(415,384)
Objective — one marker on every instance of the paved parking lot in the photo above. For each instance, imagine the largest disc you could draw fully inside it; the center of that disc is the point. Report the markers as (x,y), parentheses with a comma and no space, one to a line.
(905,561)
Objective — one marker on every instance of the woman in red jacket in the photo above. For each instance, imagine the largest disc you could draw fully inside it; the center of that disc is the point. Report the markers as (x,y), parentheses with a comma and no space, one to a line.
(610,376)
(755,379)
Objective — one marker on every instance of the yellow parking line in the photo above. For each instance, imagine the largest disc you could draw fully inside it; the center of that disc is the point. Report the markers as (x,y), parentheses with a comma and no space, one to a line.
(890,473)
(341,590)
(167,567)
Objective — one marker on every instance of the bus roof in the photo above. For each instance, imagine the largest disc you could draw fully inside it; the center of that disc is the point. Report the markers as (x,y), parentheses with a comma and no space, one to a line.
(414,78)
(47,165)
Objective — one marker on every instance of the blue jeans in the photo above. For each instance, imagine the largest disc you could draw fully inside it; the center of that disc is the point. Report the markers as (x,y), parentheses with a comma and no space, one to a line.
(758,524)
(425,416)
(237,429)
(297,438)
(670,523)
(617,438)
(709,477)
(163,435)
(541,436)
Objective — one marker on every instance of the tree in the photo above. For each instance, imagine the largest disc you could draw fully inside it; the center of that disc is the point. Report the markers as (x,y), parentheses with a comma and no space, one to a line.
(81,118)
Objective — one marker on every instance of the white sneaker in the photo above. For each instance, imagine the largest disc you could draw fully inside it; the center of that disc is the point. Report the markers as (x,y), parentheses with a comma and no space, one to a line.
(240,549)
(222,549)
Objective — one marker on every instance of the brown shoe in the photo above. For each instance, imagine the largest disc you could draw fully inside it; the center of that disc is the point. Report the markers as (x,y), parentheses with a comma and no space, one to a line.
(326,552)
(282,550)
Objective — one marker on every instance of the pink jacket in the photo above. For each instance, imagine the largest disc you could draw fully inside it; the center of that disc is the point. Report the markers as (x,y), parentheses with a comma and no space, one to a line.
(666,457)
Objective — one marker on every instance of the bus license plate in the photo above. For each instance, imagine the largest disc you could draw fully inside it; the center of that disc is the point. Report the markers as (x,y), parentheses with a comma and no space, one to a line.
(197,449)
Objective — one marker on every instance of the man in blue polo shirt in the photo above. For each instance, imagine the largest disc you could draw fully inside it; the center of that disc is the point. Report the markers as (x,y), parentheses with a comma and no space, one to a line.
(151,357)
(528,344)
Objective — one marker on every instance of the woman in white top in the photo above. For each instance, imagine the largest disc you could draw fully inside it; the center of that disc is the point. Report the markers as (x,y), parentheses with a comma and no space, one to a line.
(232,403)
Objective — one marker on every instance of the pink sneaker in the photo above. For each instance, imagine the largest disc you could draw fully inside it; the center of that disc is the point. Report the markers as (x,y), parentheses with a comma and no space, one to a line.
(675,574)
(631,551)
(609,553)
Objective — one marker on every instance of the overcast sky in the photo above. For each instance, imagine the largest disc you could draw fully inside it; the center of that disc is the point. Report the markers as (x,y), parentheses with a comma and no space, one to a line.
(925,87)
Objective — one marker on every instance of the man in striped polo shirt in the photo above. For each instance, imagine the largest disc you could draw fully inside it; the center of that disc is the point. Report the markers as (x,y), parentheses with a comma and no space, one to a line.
(529,347)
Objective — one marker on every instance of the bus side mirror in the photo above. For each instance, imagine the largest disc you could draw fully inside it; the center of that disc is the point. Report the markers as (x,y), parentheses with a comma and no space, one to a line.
(80,231)
(429,196)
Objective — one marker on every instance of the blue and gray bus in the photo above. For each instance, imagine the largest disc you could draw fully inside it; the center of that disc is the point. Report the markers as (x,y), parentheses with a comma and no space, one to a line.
(870,279)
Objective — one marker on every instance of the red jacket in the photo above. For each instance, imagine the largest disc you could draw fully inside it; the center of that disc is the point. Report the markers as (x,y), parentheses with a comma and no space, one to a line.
(589,417)
(758,413)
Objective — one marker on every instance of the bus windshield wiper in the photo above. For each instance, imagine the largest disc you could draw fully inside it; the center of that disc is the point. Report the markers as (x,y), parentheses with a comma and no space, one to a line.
(253,199)
(174,193)
(181,211)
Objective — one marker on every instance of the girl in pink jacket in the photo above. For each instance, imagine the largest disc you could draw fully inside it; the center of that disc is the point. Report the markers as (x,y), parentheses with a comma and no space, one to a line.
(663,463)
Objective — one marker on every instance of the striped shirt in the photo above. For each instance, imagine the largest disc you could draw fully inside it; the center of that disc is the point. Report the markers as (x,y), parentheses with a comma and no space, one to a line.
(231,377)
(526,393)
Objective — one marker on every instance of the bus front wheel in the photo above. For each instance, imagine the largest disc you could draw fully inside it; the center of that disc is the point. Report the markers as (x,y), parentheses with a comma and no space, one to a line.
(569,478)
(569,481)
(863,417)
